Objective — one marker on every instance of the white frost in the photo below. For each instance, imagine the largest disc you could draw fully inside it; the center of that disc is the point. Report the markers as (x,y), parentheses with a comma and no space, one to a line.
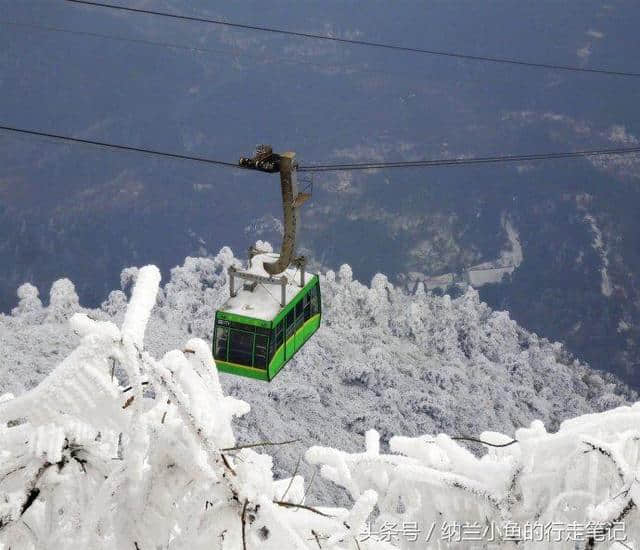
(86,462)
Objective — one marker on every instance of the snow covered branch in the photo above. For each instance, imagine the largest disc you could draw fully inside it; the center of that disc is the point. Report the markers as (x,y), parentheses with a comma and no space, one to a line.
(143,456)
(576,486)
(146,459)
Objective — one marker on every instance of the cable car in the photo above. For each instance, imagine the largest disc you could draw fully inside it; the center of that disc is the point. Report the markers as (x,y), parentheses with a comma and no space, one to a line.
(278,307)
(257,333)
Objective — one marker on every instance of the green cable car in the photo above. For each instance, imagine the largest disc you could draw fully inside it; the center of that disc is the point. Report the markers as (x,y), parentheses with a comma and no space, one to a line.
(256,333)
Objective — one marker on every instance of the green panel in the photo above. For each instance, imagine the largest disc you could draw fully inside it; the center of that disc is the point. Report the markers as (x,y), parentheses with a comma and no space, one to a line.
(242,370)
(242,319)
(306,330)
(290,346)
(313,282)
(310,327)
(276,362)
(294,343)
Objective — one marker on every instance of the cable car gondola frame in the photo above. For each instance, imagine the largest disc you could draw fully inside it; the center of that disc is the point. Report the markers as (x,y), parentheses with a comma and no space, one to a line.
(258,348)
(255,334)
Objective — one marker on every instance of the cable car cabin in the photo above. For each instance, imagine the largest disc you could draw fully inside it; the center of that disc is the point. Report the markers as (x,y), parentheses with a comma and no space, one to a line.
(255,335)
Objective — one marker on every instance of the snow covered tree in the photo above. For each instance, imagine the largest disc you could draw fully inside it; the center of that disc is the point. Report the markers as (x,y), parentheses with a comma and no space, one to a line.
(577,488)
(115,449)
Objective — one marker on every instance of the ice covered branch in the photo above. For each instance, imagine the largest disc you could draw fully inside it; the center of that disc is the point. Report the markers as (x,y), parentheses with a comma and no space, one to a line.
(117,448)
(92,458)
(554,490)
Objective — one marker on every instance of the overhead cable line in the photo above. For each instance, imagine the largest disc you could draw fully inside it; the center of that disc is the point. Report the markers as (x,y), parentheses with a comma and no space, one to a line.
(119,147)
(461,161)
(92,34)
(382,45)
(426,163)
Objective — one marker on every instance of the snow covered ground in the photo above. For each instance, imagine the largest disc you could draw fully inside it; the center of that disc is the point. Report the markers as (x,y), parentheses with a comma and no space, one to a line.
(384,360)
(149,459)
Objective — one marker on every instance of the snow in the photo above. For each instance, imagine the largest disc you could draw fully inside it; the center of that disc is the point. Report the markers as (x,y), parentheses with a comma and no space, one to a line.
(482,276)
(509,260)
(87,462)
(264,301)
(489,272)
(399,363)
(142,302)
(599,246)
(514,255)
(569,479)
(81,467)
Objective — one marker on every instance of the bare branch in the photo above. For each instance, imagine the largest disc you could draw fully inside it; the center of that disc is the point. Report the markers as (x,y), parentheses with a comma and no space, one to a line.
(31,492)
(12,471)
(227,465)
(129,388)
(475,440)
(313,478)
(604,450)
(303,506)
(630,505)
(261,444)
(295,471)
(244,525)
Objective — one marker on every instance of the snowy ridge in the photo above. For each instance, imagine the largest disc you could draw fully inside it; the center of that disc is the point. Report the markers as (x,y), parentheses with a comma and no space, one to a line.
(159,468)
(382,359)
(122,476)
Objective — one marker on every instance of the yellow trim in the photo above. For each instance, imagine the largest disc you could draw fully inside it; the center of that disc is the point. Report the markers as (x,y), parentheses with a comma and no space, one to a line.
(241,366)
(317,315)
(258,369)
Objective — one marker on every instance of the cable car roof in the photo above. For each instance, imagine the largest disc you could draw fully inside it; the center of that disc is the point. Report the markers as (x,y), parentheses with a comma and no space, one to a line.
(264,301)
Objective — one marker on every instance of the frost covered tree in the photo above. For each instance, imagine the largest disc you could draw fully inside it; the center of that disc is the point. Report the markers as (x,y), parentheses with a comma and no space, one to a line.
(30,305)
(115,449)
(383,359)
(577,488)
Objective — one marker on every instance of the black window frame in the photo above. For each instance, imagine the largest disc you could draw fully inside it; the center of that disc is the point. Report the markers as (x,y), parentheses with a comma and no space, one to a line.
(238,352)
(254,332)
(216,355)
(277,336)
(263,357)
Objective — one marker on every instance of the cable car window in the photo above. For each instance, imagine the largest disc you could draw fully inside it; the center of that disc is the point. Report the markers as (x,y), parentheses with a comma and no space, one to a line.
(290,324)
(243,326)
(299,316)
(260,356)
(222,335)
(314,302)
(241,347)
(307,311)
(276,340)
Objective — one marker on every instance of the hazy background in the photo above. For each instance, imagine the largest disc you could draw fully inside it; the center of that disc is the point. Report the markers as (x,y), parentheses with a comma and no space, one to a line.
(85,213)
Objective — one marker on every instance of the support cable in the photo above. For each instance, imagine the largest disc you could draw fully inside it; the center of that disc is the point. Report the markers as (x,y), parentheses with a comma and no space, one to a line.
(380,45)
(119,147)
(426,163)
